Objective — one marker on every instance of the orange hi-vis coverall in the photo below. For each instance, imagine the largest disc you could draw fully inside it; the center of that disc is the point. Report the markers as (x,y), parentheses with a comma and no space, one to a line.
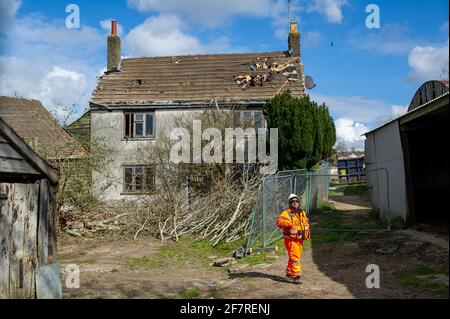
(295,230)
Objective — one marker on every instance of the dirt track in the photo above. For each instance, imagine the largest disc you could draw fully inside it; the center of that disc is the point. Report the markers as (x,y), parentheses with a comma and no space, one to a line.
(330,270)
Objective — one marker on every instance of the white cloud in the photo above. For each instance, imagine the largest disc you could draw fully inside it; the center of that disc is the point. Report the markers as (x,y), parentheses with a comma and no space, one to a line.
(165,35)
(161,35)
(8,9)
(332,9)
(351,132)
(56,87)
(398,110)
(205,12)
(354,107)
(390,39)
(46,61)
(427,62)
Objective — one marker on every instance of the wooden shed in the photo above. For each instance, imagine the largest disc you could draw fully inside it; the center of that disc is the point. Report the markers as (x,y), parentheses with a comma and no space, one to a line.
(27,215)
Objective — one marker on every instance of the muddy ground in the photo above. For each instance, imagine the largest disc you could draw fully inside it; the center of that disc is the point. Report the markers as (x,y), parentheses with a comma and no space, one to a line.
(411,266)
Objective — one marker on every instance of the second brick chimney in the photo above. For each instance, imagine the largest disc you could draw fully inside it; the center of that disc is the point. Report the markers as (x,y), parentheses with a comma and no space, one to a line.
(294,39)
(114,49)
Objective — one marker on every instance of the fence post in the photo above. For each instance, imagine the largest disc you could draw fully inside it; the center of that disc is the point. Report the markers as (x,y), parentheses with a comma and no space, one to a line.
(263,215)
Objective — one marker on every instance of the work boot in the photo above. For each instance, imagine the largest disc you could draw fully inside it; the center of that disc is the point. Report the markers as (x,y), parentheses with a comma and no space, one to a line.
(298,280)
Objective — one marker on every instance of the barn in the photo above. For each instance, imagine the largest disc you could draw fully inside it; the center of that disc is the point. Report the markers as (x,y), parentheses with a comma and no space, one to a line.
(408,162)
(27,216)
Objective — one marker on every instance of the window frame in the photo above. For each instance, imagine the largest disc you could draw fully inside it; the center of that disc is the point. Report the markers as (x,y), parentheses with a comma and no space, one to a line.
(131,117)
(145,190)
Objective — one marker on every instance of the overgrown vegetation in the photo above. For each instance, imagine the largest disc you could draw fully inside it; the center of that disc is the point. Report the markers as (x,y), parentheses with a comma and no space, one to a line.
(333,222)
(211,201)
(424,277)
(306,131)
(348,189)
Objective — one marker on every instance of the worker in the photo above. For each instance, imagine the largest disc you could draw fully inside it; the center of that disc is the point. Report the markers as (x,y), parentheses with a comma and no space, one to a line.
(295,225)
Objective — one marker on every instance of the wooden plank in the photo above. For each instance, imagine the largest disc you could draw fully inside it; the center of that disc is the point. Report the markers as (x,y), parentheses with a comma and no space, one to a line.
(27,152)
(30,239)
(52,224)
(18,211)
(43,223)
(4,243)
(6,150)
(17,166)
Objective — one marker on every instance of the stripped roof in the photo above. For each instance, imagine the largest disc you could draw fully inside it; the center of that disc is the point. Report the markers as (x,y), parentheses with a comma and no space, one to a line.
(244,77)
(38,128)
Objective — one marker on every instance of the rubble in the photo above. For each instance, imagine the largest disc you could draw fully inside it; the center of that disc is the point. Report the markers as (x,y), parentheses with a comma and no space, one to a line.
(386,250)
(223,262)
(287,69)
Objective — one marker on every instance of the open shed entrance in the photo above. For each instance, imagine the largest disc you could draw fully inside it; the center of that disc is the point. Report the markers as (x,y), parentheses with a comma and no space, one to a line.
(425,142)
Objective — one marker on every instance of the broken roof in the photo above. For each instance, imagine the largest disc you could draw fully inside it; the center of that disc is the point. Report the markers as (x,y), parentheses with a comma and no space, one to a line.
(226,78)
(38,128)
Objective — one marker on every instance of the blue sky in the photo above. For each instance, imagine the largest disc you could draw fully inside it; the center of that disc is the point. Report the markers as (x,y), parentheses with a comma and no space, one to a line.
(366,77)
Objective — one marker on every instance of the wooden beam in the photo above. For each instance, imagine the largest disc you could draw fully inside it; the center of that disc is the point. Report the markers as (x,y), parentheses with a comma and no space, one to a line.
(28,153)
(4,243)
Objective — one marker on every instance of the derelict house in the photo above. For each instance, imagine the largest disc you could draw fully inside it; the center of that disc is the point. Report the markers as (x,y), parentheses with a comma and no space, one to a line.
(137,99)
(27,215)
(410,153)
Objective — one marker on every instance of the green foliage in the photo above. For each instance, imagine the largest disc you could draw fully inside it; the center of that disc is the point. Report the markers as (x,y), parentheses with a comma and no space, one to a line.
(353,189)
(422,276)
(306,131)
(192,293)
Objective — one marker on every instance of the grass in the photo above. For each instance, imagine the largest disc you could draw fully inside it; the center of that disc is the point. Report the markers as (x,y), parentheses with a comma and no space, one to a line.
(348,190)
(114,270)
(328,217)
(145,262)
(185,251)
(192,293)
(87,261)
(422,277)
(258,258)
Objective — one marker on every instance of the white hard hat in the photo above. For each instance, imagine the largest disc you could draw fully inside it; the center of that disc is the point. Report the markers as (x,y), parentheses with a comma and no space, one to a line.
(292,196)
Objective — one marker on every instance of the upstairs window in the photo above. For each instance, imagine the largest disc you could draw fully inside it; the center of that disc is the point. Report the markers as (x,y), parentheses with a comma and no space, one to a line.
(139,125)
(139,179)
(252,119)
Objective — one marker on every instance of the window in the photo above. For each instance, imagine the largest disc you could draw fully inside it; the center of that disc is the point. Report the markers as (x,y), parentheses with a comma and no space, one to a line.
(246,119)
(139,179)
(139,125)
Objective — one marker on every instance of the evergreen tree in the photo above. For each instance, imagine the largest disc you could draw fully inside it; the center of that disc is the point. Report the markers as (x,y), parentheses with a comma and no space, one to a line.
(306,131)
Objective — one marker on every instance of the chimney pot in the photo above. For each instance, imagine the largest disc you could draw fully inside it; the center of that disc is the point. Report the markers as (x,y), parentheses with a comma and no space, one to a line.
(113,27)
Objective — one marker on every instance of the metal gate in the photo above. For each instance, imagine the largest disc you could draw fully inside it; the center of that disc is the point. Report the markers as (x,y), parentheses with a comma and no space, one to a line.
(312,187)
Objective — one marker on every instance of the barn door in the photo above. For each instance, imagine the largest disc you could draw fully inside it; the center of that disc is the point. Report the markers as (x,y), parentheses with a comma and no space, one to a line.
(18,242)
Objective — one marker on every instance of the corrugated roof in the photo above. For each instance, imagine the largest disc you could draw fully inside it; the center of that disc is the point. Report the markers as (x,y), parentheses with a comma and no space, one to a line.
(407,113)
(37,127)
(193,78)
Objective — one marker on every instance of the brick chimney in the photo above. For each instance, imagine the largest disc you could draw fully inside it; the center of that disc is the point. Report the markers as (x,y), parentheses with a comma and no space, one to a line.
(294,39)
(114,50)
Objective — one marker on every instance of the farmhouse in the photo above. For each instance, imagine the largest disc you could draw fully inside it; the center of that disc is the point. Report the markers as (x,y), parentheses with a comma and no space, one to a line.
(406,160)
(137,99)
(27,215)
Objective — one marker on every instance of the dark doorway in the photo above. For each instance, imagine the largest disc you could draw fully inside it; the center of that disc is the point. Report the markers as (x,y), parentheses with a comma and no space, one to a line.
(425,140)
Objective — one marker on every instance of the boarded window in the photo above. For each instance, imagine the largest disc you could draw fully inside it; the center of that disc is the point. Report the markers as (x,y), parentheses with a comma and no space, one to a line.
(139,179)
(139,125)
